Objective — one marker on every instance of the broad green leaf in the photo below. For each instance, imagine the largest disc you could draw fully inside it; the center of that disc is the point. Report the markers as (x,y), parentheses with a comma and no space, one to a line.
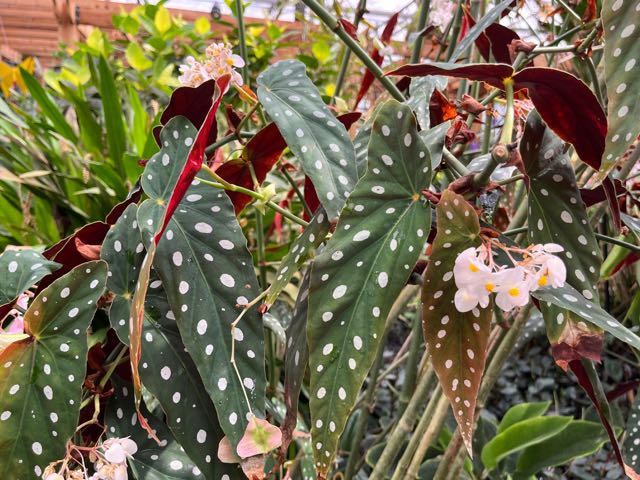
(136,57)
(90,129)
(579,439)
(113,116)
(361,143)
(49,109)
(208,275)
(363,268)
(521,412)
(139,122)
(631,444)
(152,461)
(311,131)
(434,139)
(420,91)
(457,341)
(41,377)
(520,436)
(196,428)
(19,270)
(202,26)
(557,214)
(301,250)
(162,19)
(321,51)
(620,20)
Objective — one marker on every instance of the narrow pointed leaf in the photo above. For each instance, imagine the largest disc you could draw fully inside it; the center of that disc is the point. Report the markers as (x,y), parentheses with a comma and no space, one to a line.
(152,461)
(19,270)
(302,249)
(361,271)
(557,214)
(457,341)
(208,275)
(631,444)
(41,377)
(620,20)
(195,427)
(311,131)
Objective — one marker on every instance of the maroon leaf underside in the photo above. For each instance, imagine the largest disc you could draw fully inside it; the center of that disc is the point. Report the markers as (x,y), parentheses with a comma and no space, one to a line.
(581,374)
(494,40)
(491,73)
(367,79)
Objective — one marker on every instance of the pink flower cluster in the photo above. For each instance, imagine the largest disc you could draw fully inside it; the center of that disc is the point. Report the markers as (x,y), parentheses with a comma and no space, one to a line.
(219,61)
(477,276)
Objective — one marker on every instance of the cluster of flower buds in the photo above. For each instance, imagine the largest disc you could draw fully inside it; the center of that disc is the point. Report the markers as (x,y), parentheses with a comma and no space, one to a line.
(219,61)
(109,462)
(477,276)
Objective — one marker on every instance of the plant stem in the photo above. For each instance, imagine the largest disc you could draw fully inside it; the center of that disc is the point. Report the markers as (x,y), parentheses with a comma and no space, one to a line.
(451,160)
(617,241)
(241,38)
(515,231)
(509,180)
(455,31)
(346,56)
(405,425)
(112,367)
(369,400)
(227,139)
(355,47)
(296,189)
(507,128)
(591,68)
(499,155)
(422,22)
(570,11)
(409,383)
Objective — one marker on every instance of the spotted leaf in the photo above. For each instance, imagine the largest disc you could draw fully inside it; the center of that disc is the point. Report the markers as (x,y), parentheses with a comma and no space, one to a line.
(311,131)
(631,444)
(152,461)
(19,270)
(620,22)
(208,275)
(362,269)
(302,249)
(296,359)
(190,413)
(557,214)
(457,341)
(420,91)
(41,376)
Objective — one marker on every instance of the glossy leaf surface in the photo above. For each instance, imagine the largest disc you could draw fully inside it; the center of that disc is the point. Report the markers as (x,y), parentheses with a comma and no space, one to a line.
(19,270)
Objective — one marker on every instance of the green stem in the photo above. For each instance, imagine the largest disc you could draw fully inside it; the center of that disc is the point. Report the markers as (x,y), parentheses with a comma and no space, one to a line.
(509,180)
(617,241)
(455,31)
(514,231)
(112,367)
(570,11)
(409,383)
(346,55)
(241,38)
(227,139)
(355,47)
(422,23)
(591,68)
(451,160)
(296,189)
(507,127)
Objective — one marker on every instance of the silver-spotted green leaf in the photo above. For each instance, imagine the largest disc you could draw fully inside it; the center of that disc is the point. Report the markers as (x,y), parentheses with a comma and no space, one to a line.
(620,22)
(208,276)
(434,140)
(362,269)
(311,131)
(19,270)
(189,411)
(557,214)
(296,359)
(457,341)
(420,91)
(632,222)
(166,461)
(41,377)
(584,312)
(301,250)
(631,444)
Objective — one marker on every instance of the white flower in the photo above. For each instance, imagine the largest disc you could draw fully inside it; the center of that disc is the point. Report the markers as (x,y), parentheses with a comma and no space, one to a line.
(468,269)
(466,299)
(220,60)
(512,288)
(552,272)
(117,450)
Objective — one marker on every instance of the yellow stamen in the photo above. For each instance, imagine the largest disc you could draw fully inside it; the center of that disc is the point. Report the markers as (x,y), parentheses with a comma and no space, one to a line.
(514,292)
(489,287)
(229,61)
(542,281)
(473,268)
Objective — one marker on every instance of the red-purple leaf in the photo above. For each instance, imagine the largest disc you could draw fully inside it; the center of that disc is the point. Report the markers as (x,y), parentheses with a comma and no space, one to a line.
(350,28)
(491,73)
(494,40)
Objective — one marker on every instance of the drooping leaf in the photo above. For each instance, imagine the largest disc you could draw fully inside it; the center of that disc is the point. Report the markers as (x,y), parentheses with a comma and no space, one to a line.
(152,461)
(19,270)
(457,341)
(521,435)
(113,115)
(493,41)
(41,377)
(362,269)
(190,414)
(420,91)
(567,105)
(311,131)
(301,250)
(208,276)
(579,439)
(521,412)
(478,29)
(632,443)
(557,214)
(296,359)
(620,21)
(434,139)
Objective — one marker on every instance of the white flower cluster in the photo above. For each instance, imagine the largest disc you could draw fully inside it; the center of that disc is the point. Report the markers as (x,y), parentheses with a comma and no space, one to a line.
(110,462)
(477,276)
(220,61)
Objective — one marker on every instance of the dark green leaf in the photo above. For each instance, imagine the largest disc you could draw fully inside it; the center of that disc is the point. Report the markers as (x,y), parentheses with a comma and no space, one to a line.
(521,412)
(19,270)
(113,116)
